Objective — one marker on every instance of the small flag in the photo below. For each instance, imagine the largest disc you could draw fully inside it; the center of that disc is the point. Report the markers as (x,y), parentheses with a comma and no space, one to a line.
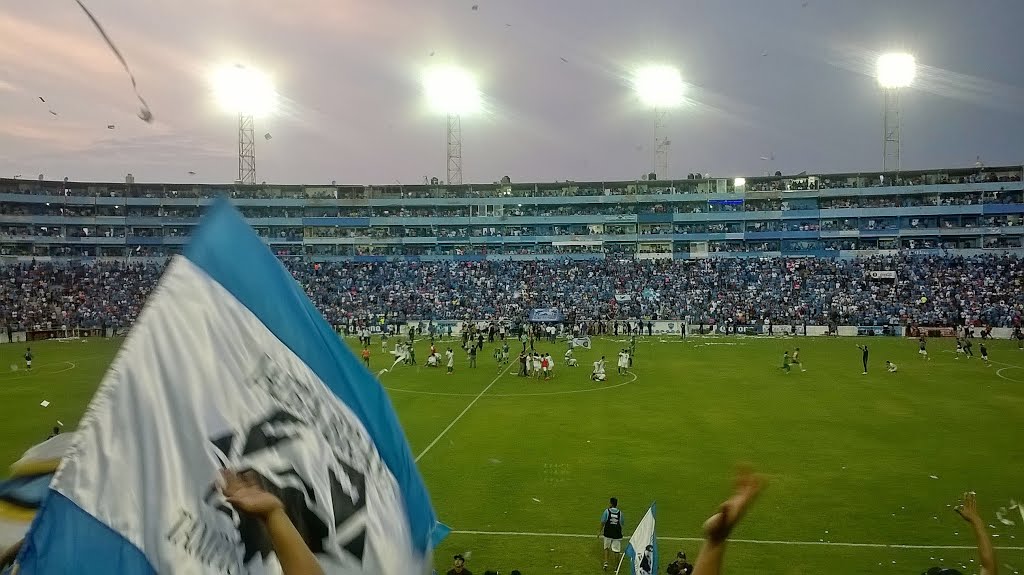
(230,366)
(643,546)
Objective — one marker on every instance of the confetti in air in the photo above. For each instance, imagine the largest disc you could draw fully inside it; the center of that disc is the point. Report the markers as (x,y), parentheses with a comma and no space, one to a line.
(110,126)
(144,113)
(41,99)
(267,136)
(44,403)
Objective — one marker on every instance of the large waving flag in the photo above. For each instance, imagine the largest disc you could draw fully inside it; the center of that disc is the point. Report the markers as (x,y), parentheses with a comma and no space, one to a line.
(643,546)
(231,366)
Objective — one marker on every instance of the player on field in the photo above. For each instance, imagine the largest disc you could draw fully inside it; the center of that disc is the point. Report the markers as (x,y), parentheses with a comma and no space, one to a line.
(984,353)
(922,348)
(598,373)
(545,366)
(504,352)
(1019,336)
(623,363)
(28,358)
(785,362)
(890,366)
(796,359)
(497,355)
(535,365)
(611,530)
(366,357)
(864,357)
(384,339)
(569,359)
(967,348)
(450,356)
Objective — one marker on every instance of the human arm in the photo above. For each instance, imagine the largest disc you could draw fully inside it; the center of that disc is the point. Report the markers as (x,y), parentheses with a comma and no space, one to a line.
(968,509)
(247,496)
(718,527)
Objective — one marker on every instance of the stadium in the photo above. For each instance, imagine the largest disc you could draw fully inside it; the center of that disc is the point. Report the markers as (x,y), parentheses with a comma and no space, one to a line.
(767,371)
(752,267)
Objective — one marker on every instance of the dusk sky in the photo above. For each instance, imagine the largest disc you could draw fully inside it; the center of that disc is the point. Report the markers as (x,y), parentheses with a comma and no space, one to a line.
(789,79)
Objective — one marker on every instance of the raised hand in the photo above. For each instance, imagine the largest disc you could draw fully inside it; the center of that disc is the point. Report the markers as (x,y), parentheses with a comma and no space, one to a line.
(246,494)
(748,486)
(968,508)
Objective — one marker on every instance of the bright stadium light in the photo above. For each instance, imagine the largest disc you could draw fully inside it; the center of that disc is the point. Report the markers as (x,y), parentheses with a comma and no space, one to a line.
(453,92)
(242,90)
(661,88)
(248,93)
(739,182)
(894,72)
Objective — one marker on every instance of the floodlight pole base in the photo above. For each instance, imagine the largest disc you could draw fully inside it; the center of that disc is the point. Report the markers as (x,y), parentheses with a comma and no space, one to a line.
(891,131)
(246,150)
(454,149)
(662,144)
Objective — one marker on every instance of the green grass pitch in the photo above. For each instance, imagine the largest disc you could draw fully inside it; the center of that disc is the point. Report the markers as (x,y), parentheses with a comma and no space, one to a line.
(871,459)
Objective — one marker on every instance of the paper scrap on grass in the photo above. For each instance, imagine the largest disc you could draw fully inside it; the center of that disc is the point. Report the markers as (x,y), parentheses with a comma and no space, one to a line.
(44,403)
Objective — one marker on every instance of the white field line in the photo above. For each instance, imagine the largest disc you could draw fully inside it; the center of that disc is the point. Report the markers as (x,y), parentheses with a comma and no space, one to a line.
(750,541)
(459,416)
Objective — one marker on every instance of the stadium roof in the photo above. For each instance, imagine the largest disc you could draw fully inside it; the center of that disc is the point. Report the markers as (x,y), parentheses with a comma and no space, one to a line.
(965,171)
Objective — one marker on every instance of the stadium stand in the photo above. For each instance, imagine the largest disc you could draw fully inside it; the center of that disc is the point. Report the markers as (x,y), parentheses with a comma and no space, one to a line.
(791,249)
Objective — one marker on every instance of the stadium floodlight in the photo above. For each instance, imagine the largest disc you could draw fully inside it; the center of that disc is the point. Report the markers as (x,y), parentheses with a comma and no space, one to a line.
(248,93)
(453,92)
(661,88)
(243,90)
(894,72)
(739,182)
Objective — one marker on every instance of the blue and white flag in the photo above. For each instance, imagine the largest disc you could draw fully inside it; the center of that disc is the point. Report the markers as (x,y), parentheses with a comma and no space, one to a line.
(643,546)
(230,366)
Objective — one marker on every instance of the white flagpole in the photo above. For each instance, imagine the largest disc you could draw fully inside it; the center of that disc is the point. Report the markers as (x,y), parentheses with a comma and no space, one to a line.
(619,566)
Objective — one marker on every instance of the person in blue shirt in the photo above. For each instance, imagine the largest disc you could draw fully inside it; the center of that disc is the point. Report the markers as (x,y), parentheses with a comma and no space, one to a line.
(611,530)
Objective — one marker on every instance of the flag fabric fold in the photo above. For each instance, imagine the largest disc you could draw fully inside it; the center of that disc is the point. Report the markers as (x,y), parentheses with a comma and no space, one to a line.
(230,366)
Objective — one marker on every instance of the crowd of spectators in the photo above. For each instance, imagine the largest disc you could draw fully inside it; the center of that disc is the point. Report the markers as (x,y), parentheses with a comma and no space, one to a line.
(929,290)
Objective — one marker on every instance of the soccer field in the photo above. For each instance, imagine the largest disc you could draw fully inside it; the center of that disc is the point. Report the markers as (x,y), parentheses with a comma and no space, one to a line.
(862,469)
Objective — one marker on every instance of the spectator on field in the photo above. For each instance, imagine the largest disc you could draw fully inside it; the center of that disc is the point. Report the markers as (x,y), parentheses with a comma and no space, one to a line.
(459,566)
(680,566)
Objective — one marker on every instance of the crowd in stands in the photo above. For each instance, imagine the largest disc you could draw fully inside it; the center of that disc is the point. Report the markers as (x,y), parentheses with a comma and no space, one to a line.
(929,290)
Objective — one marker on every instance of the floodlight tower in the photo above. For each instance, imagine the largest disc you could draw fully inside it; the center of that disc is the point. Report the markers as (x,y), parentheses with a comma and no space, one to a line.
(894,71)
(248,93)
(453,92)
(662,89)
